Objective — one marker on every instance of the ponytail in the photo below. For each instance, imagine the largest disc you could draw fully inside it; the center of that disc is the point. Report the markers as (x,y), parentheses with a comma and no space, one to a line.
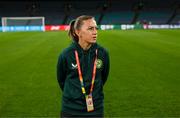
(72,32)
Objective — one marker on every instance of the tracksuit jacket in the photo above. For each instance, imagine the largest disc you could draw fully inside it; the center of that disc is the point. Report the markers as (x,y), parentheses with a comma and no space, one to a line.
(73,100)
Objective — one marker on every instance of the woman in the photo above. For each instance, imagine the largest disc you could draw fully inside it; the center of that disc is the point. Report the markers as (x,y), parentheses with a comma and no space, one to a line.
(82,70)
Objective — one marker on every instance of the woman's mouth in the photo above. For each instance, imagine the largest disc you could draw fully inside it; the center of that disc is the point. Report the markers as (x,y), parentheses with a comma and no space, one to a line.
(94,37)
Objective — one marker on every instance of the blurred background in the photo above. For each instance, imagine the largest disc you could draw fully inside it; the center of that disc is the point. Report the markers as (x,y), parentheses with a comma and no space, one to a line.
(106,12)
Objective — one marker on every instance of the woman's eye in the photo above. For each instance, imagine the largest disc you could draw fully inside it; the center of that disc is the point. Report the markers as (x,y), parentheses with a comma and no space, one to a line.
(91,28)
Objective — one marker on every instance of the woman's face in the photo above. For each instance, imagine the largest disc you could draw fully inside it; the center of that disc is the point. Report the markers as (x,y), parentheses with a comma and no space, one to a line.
(88,31)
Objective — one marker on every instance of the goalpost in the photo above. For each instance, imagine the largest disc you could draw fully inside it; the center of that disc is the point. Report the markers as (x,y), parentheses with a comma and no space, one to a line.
(23,24)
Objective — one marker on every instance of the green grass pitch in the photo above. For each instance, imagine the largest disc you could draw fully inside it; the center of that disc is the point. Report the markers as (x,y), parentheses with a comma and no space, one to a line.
(144,79)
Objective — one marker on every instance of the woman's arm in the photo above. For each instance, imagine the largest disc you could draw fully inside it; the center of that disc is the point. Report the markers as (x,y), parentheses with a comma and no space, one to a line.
(61,71)
(105,71)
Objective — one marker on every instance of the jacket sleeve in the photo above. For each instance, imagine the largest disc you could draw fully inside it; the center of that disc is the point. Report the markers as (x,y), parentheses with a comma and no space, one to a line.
(105,71)
(61,71)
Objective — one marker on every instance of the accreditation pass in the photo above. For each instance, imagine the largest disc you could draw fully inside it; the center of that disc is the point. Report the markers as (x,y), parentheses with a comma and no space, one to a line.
(89,103)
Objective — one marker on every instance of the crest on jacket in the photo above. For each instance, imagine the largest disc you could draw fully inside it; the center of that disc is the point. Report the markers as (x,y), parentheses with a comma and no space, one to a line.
(99,63)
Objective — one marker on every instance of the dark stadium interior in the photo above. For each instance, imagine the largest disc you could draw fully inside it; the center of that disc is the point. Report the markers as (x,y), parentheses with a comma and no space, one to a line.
(105,11)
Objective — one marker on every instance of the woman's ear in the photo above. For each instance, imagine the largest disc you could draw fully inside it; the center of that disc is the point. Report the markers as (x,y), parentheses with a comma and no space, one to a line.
(77,32)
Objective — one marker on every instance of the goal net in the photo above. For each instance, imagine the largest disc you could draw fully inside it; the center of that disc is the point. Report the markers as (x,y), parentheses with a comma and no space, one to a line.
(23,24)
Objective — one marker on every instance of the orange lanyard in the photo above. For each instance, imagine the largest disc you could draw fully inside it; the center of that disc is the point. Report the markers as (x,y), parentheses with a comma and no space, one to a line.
(80,73)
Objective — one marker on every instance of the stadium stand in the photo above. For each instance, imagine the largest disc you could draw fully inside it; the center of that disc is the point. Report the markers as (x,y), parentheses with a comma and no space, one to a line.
(105,11)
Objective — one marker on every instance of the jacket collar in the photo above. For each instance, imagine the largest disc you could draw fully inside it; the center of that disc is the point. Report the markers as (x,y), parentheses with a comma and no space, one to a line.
(81,50)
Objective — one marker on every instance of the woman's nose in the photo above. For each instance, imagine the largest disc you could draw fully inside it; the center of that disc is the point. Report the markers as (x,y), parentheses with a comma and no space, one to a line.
(95,31)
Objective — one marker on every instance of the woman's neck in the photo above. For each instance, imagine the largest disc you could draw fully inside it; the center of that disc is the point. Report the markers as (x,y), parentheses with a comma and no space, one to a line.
(84,44)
